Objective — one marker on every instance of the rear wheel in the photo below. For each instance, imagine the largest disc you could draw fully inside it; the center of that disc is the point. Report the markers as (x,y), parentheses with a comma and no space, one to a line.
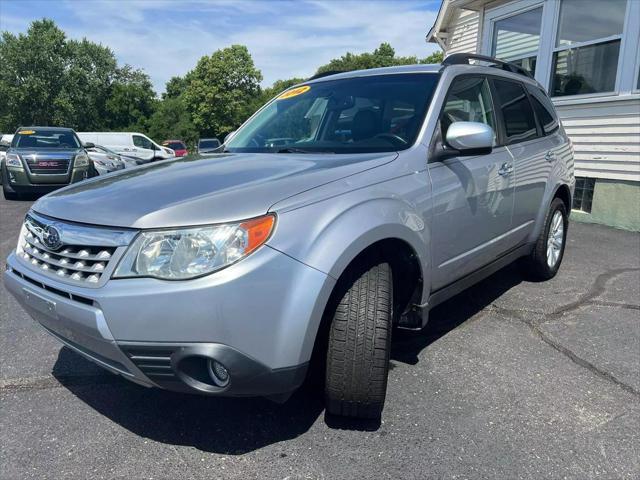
(359,343)
(544,260)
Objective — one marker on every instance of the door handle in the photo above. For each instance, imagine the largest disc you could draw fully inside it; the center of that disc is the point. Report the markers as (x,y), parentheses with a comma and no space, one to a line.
(550,156)
(505,169)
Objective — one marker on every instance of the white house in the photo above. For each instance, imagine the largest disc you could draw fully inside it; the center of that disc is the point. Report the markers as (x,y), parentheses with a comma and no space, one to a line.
(586,53)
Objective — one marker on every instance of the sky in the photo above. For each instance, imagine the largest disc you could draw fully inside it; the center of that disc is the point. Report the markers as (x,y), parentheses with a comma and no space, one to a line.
(285,38)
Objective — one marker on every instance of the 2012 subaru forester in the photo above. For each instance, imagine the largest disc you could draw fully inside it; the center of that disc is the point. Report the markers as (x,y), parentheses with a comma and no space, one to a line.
(346,206)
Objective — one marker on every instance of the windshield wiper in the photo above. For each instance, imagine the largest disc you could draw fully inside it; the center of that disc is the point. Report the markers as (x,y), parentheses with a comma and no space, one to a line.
(301,150)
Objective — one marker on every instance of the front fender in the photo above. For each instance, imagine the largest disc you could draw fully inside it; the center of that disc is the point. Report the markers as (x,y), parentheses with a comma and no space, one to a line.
(329,234)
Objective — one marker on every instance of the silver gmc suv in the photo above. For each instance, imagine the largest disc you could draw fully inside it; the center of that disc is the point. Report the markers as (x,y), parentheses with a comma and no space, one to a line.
(346,206)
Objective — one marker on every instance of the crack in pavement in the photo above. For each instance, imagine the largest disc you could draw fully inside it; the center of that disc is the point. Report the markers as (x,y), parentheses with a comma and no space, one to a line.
(589,298)
(46,382)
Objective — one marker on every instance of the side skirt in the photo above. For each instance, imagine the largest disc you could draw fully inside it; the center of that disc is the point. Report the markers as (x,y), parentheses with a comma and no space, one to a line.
(421,312)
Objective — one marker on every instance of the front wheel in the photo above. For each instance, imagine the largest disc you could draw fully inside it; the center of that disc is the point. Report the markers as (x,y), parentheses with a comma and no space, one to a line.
(544,260)
(359,344)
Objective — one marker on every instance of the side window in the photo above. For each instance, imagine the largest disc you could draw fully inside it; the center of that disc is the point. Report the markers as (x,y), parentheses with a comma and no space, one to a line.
(544,111)
(468,100)
(517,113)
(141,142)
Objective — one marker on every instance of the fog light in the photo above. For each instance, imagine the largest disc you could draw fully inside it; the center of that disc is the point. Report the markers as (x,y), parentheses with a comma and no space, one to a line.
(12,178)
(218,373)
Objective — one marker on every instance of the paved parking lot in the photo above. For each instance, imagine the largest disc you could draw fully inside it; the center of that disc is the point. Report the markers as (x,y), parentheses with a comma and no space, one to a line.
(511,379)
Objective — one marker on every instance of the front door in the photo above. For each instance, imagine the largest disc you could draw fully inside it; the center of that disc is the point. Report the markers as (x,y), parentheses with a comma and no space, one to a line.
(472,196)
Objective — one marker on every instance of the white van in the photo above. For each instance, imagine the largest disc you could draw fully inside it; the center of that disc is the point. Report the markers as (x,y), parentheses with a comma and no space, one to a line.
(131,144)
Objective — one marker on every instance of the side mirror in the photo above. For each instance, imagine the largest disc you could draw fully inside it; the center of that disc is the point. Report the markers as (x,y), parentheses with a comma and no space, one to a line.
(89,145)
(229,135)
(470,138)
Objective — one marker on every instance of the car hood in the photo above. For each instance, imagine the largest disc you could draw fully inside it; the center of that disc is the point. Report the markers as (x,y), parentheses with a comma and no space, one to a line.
(46,152)
(199,190)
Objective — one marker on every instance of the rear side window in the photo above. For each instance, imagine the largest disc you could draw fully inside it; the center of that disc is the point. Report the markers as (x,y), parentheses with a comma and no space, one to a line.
(544,111)
(517,113)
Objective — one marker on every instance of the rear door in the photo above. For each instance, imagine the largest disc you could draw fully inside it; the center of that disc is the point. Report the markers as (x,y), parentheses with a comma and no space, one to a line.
(528,146)
(473,196)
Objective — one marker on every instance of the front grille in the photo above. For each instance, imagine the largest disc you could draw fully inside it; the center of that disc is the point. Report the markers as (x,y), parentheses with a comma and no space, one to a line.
(57,166)
(70,252)
(77,262)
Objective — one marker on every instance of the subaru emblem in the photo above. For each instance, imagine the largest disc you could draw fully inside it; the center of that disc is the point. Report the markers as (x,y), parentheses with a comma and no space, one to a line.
(51,238)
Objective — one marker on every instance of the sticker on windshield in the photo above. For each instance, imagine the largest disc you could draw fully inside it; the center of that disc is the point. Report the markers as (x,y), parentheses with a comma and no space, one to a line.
(294,92)
(26,132)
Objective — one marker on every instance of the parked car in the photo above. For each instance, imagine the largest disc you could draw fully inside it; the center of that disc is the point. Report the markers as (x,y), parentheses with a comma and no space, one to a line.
(208,145)
(131,144)
(106,160)
(177,146)
(397,188)
(42,159)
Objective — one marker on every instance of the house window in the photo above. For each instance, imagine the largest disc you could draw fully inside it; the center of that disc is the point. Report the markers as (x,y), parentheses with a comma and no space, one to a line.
(583,197)
(585,58)
(516,39)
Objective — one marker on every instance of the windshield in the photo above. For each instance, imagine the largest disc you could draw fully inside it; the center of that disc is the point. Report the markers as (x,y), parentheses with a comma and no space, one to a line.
(209,143)
(378,113)
(175,145)
(45,138)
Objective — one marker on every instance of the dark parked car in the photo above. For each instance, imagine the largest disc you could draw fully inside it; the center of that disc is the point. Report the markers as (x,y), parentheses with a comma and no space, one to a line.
(42,159)
(208,145)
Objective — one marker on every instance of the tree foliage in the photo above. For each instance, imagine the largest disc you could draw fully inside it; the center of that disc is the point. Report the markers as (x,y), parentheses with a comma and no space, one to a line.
(220,90)
(48,79)
(383,56)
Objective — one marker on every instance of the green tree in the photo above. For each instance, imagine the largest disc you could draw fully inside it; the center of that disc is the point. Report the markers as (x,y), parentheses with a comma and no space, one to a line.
(175,87)
(221,90)
(46,79)
(383,56)
(172,120)
(32,75)
(131,100)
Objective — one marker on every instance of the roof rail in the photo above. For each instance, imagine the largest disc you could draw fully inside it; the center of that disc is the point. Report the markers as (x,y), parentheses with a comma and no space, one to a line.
(463,59)
(325,74)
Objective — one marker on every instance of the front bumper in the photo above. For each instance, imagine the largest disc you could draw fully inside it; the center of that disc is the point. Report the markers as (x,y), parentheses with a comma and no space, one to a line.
(23,182)
(258,318)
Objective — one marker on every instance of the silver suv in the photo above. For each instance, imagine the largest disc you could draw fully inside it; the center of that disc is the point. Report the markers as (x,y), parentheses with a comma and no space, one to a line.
(345,207)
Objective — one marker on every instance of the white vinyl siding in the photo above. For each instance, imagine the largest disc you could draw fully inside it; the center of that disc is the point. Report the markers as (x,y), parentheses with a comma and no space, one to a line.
(463,32)
(605,134)
(606,138)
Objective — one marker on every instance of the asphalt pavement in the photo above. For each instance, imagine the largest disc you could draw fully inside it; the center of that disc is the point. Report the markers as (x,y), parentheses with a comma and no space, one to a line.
(511,379)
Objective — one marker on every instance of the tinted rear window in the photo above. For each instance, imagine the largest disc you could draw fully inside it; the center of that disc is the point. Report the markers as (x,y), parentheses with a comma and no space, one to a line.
(209,143)
(544,111)
(44,138)
(517,113)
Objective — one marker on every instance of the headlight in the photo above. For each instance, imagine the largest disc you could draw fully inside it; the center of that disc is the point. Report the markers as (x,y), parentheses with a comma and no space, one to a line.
(193,252)
(169,152)
(82,160)
(13,160)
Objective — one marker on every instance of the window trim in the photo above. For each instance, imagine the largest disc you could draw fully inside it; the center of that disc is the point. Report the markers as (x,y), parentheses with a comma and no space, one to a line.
(526,9)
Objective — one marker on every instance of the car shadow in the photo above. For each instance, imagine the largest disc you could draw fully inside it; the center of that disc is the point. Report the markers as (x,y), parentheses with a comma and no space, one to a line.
(234,426)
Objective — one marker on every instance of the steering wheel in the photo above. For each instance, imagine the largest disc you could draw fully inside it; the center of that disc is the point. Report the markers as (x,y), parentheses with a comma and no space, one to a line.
(395,139)
(257,141)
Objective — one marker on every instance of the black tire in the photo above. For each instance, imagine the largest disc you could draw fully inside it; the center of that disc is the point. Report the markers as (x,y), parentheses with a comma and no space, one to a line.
(359,344)
(9,194)
(535,265)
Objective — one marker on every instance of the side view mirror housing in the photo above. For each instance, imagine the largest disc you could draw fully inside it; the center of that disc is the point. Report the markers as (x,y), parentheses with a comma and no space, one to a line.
(89,145)
(466,139)
(229,135)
